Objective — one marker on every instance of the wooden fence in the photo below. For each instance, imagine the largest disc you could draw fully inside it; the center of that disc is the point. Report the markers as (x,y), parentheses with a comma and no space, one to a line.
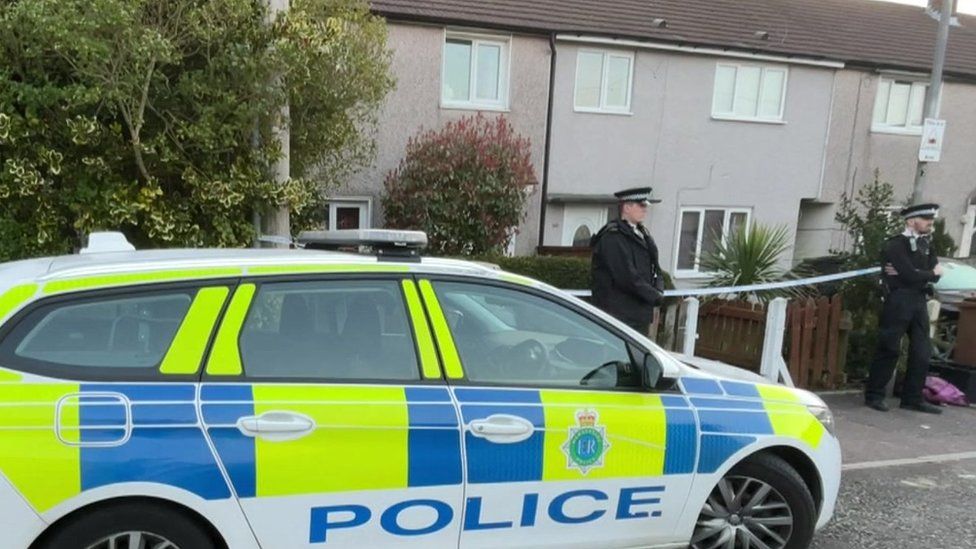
(733,332)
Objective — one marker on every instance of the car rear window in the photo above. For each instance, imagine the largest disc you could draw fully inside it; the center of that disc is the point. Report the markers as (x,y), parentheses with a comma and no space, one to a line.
(112,332)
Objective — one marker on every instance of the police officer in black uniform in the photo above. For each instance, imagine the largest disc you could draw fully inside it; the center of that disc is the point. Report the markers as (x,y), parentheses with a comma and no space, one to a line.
(910,267)
(627,280)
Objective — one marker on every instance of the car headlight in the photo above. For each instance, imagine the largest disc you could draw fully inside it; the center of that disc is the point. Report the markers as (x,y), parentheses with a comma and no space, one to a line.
(824,416)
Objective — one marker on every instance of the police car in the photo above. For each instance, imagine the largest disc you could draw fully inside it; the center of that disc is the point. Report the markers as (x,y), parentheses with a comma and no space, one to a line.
(299,398)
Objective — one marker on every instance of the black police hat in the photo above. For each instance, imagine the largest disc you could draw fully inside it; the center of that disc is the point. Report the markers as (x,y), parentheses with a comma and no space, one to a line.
(637,194)
(925,211)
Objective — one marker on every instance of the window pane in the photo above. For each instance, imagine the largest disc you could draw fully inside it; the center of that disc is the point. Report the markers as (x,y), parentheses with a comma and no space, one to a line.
(712,236)
(348,217)
(618,82)
(688,241)
(881,102)
(917,104)
(898,103)
(457,70)
(589,78)
(489,72)
(737,220)
(747,91)
(581,238)
(511,337)
(329,330)
(133,332)
(724,90)
(772,94)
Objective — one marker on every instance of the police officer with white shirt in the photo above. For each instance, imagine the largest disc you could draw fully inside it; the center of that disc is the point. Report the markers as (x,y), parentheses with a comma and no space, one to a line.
(627,278)
(910,268)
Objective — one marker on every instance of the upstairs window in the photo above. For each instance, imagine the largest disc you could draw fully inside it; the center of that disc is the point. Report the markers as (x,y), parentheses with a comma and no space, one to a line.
(475,72)
(604,81)
(749,92)
(899,106)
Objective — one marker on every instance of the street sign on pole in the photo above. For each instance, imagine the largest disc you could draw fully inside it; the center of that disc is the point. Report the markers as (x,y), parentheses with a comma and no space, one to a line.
(932,135)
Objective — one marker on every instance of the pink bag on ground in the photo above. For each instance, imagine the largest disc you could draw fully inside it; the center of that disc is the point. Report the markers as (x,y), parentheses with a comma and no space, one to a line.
(940,391)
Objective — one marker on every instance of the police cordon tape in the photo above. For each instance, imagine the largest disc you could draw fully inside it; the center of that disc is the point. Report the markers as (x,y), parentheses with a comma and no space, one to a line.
(696,292)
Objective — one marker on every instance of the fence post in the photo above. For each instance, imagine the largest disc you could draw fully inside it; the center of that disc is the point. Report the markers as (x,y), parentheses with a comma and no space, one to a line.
(691,325)
(773,366)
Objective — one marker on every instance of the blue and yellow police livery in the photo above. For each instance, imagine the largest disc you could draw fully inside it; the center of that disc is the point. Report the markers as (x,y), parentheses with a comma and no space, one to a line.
(294,398)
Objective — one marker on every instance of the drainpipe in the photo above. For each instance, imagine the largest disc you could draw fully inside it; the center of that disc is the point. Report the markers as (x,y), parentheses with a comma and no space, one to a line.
(547,152)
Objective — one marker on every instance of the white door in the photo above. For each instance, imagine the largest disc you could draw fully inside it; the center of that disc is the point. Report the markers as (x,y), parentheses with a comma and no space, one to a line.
(329,433)
(966,245)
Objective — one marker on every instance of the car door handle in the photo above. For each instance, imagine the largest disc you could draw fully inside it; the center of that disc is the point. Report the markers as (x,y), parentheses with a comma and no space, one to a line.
(502,428)
(277,426)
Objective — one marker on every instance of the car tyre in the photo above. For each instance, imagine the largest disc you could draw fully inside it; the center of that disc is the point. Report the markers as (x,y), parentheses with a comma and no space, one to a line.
(135,524)
(761,502)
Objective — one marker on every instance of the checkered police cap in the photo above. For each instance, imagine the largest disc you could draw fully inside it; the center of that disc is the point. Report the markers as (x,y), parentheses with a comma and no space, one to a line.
(925,211)
(637,194)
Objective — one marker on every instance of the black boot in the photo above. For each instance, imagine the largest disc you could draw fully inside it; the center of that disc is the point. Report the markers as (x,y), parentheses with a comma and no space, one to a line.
(923,407)
(878,405)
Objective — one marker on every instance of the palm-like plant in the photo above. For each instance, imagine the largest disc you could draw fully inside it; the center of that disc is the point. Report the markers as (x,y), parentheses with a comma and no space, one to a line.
(749,255)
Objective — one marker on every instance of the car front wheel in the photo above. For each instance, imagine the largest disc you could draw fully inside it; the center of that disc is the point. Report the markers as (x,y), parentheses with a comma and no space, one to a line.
(134,525)
(762,503)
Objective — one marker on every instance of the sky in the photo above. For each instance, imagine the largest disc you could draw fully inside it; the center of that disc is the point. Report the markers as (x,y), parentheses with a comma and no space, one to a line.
(965,6)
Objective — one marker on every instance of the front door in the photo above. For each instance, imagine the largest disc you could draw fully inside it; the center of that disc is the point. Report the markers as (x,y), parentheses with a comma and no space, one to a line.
(332,418)
(563,446)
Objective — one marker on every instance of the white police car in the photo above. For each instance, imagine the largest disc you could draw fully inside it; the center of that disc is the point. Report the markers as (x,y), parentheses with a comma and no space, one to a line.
(280,399)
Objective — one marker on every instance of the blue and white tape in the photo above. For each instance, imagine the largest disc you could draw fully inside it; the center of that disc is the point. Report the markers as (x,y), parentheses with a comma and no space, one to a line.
(696,292)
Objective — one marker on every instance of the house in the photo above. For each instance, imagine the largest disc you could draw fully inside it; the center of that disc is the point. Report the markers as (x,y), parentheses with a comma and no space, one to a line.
(734,110)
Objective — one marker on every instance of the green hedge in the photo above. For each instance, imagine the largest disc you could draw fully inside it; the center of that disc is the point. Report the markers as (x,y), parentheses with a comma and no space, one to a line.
(567,273)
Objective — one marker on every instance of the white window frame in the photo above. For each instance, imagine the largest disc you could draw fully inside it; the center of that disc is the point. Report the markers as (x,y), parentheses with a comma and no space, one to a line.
(605,82)
(907,129)
(779,119)
(696,272)
(504,71)
(365,203)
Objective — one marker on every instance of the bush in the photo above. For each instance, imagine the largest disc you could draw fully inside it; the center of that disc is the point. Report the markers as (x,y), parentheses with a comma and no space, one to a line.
(156,117)
(565,273)
(869,222)
(750,256)
(463,185)
(942,242)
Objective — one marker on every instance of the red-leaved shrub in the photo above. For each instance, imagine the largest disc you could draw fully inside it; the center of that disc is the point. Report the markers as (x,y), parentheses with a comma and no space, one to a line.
(464,185)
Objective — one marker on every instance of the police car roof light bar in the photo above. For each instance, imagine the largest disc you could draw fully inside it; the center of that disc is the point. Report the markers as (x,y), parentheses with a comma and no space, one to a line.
(389,245)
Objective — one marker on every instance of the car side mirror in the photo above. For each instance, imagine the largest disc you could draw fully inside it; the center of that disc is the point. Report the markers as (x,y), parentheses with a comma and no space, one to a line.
(652,371)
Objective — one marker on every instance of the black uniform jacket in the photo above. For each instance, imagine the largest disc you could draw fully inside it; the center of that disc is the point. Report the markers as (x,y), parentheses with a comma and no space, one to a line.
(913,263)
(627,281)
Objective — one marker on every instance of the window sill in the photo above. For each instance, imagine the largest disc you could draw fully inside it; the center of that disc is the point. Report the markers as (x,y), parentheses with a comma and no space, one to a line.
(723,118)
(474,107)
(584,110)
(911,132)
(691,275)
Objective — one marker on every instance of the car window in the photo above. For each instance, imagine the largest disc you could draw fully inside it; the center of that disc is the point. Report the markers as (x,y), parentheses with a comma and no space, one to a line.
(111,332)
(330,330)
(507,336)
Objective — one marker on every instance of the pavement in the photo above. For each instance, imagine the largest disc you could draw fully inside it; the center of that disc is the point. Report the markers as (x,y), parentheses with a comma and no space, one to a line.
(909,479)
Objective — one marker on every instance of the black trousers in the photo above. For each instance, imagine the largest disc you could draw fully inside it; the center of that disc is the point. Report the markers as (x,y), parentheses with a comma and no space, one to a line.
(904,312)
(643,327)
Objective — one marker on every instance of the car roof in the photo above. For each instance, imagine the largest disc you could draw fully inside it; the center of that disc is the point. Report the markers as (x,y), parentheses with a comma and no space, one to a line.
(110,263)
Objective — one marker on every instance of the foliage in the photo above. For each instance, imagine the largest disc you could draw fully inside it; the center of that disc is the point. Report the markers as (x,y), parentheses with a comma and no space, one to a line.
(750,255)
(869,222)
(566,273)
(464,185)
(157,117)
(942,243)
